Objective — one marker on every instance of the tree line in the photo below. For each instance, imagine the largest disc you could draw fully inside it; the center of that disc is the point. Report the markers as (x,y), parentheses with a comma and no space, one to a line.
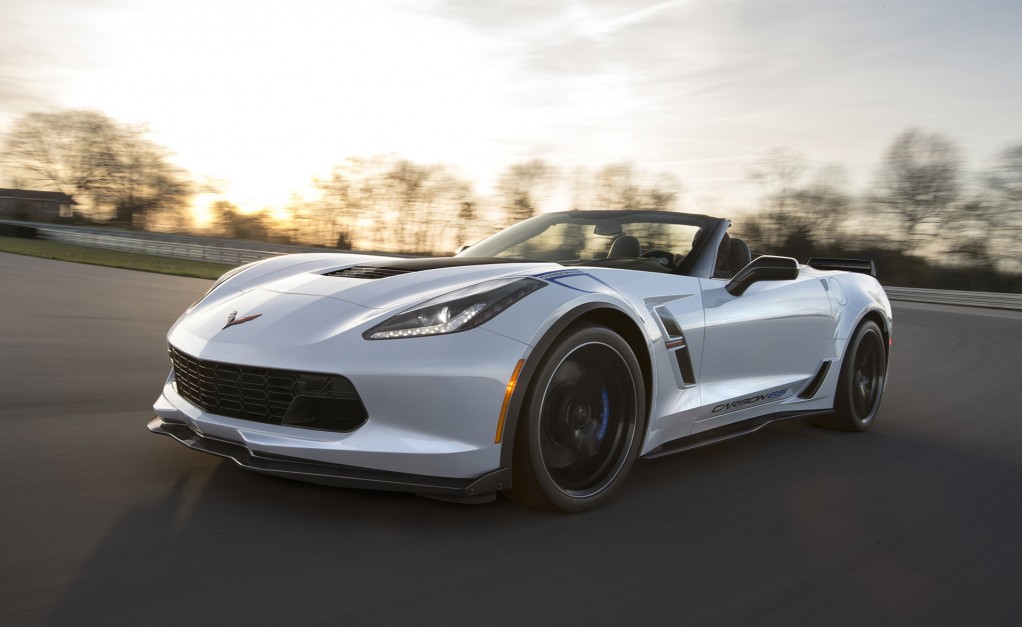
(926,219)
(112,170)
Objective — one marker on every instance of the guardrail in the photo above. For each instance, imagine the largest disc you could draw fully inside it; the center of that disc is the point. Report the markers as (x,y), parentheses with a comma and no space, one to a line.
(217,250)
(996,300)
(160,247)
(234,252)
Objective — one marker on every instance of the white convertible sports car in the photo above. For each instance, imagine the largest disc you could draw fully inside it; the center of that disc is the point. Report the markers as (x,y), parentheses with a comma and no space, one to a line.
(540,362)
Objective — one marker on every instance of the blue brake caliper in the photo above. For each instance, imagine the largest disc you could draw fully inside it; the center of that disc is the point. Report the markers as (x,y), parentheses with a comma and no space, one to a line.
(605,411)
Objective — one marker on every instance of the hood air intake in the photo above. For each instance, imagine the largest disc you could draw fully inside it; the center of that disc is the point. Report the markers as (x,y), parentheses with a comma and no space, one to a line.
(384,269)
(367,272)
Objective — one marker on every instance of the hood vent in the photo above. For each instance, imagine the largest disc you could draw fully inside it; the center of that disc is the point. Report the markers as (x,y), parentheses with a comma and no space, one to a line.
(367,272)
(384,269)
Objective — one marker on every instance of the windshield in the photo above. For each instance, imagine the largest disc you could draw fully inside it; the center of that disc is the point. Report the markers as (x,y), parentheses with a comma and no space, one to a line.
(637,240)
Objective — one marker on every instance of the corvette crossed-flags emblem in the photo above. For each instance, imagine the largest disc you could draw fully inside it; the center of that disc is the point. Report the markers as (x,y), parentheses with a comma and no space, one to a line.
(232,320)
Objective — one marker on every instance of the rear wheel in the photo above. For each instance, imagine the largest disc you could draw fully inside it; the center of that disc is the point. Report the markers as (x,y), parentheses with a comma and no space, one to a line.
(581,424)
(859,390)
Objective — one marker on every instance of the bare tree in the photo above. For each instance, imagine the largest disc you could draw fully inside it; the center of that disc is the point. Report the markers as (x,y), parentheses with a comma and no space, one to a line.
(985,231)
(778,173)
(466,225)
(798,216)
(1004,178)
(346,211)
(393,204)
(662,193)
(141,180)
(67,151)
(821,205)
(919,183)
(105,165)
(410,191)
(230,222)
(452,217)
(617,187)
(620,186)
(1004,186)
(522,187)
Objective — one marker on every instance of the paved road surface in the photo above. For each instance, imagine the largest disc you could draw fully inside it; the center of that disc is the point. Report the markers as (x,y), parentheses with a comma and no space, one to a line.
(103,523)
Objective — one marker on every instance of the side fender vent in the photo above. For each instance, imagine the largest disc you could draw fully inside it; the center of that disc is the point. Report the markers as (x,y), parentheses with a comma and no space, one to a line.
(815,384)
(675,342)
(685,364)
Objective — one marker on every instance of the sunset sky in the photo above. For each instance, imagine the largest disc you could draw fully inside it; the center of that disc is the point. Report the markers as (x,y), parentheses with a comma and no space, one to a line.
(265,95)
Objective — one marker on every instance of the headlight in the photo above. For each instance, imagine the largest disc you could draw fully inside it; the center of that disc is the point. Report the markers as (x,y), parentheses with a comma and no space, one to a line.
(456,311)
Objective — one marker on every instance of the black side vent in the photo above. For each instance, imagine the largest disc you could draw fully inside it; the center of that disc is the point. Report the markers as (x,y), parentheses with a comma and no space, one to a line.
(367,272)
(685,364)
(815,384)
(676,341)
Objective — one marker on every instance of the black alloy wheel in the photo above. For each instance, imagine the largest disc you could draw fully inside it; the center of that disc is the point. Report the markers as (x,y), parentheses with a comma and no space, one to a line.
(581,427)
(861,381)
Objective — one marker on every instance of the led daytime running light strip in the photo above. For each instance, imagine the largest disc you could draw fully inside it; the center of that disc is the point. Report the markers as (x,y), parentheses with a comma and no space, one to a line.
(436,329)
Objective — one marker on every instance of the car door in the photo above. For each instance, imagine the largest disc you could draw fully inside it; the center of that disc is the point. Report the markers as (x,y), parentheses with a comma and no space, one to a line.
(760,346)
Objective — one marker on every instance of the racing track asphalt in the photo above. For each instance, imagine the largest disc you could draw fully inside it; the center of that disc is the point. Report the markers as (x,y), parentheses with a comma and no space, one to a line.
(917,522)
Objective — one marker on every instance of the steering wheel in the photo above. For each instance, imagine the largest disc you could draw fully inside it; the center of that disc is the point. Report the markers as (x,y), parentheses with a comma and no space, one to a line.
(663,257)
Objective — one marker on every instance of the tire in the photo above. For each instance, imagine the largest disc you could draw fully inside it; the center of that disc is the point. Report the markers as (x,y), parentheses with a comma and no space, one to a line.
(861,381)
(582,421)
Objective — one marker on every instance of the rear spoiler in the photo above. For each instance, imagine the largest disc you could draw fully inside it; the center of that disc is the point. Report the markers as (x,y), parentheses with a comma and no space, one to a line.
(864,266)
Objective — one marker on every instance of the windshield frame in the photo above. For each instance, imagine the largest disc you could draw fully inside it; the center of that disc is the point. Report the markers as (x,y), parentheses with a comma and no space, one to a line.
(535,226)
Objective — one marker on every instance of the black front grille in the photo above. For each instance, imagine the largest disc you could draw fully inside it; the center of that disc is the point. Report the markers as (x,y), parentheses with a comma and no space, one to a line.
(367,272)
(301,399)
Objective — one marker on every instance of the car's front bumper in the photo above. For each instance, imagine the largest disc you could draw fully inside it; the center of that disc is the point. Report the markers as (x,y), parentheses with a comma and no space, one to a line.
(433,408)
(332,474)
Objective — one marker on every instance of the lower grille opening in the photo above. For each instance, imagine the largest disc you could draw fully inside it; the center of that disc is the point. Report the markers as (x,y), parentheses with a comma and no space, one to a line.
(310,400)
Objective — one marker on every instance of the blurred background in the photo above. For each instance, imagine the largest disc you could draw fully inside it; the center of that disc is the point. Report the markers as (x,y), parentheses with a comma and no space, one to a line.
(861,129)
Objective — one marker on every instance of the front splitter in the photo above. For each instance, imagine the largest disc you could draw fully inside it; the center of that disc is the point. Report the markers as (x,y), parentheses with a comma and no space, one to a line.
(334,474)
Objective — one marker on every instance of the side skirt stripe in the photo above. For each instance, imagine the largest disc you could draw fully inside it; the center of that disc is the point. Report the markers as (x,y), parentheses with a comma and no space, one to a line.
(723,433)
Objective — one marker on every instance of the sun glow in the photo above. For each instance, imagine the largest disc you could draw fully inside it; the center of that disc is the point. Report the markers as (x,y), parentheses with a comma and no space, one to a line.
(267,104)
(265,98)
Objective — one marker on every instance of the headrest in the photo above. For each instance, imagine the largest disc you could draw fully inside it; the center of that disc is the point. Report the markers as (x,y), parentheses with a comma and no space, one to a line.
(625,246)
(739,254)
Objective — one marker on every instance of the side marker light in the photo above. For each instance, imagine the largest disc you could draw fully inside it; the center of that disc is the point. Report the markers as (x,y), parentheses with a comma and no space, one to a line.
(509,389)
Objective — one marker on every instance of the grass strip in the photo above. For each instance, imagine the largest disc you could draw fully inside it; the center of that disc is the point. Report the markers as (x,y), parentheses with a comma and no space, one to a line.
(112,258)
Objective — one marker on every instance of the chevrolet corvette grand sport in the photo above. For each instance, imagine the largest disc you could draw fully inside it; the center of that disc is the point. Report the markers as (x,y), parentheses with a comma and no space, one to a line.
(540,362)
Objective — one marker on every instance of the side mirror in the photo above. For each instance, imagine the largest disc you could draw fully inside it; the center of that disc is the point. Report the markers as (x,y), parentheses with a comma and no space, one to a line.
(462,248)
(764,268)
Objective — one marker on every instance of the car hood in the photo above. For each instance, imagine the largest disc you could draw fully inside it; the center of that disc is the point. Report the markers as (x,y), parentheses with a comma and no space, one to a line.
(400,282)
(317,300)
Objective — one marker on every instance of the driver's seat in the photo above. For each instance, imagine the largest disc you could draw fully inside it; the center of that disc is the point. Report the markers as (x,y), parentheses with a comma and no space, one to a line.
(739,254)
(625,246)
(733,254)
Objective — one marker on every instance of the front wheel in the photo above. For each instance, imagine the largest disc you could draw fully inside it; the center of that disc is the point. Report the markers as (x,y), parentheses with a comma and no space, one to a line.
(859,390)
(581,424)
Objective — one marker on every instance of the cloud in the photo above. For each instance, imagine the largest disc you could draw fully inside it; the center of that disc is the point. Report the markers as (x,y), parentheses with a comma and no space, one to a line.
(689,85)
(41,44)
